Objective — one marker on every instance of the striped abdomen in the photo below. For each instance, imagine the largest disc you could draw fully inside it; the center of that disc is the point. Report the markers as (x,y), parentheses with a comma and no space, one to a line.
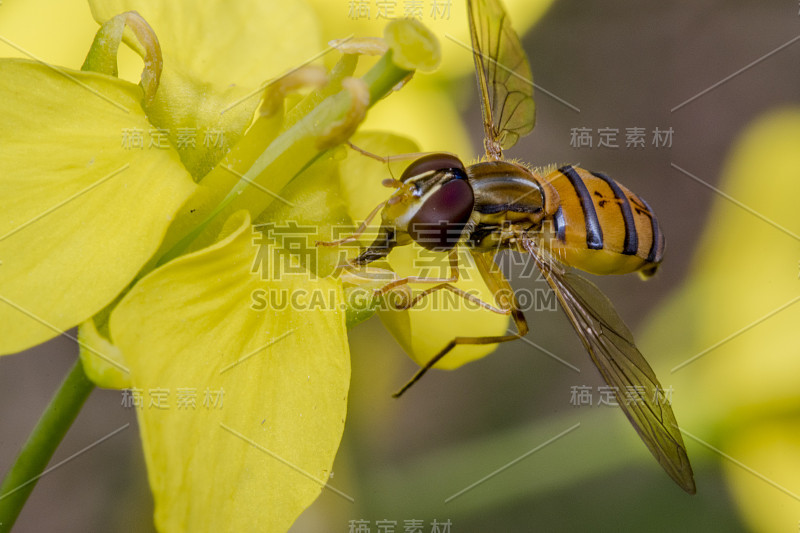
(600,226)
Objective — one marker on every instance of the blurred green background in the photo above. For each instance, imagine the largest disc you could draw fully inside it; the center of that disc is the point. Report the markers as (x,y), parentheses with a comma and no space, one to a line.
(732,260)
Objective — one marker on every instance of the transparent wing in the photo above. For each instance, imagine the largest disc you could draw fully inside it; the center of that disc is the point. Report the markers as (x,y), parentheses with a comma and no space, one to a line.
(504,76)
(612,349)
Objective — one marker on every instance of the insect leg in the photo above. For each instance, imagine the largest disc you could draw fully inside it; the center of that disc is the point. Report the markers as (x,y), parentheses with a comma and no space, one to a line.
(358,232)
(452,257)
(467,296)
(387,158)
(522,329)
(506,303)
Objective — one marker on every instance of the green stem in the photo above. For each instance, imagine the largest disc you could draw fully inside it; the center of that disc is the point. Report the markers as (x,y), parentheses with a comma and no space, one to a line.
(383,77)
(43,441)
(299,140)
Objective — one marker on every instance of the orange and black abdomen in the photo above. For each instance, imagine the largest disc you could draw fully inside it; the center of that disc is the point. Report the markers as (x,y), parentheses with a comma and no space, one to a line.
(600,226)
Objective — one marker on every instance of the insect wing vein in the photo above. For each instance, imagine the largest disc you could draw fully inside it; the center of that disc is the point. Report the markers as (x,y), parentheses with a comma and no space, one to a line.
(504,75)
(611,347)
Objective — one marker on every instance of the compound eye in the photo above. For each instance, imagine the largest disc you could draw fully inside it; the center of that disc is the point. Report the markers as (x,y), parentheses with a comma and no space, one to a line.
(431,162)
(440,220)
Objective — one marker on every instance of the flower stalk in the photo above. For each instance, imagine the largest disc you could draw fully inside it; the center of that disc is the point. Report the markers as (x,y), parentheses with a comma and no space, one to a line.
(42,443)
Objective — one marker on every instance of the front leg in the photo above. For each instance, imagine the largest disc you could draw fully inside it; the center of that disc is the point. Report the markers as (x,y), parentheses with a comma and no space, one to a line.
(452,258)
(506,304)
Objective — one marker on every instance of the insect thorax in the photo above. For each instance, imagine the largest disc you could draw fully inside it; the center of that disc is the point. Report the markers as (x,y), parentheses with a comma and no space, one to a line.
(509,200)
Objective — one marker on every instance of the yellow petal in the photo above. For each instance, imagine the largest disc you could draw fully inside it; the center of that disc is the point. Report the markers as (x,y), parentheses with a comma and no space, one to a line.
(56,32)
(771,449)
(426,114)
(102,361)
(216,55)
(260,455)
(80,213)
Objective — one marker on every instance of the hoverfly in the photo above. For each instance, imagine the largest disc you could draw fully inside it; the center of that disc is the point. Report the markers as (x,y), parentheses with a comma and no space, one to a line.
(562,217)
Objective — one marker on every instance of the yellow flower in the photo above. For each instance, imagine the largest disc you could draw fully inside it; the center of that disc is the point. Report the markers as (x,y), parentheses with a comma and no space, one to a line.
(729,331)
(128,209)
